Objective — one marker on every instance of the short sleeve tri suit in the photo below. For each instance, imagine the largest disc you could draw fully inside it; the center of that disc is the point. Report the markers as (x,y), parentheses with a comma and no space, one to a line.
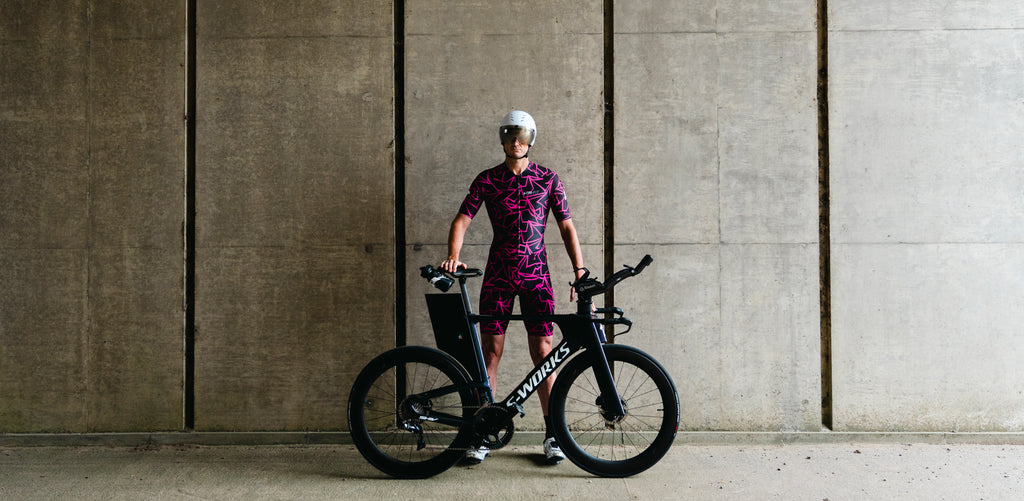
(517,264)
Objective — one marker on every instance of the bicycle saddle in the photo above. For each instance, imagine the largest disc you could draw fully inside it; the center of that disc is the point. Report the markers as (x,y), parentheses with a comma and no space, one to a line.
(467,272)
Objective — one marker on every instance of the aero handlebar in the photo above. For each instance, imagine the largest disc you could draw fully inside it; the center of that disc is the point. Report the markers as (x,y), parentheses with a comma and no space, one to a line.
(586,287)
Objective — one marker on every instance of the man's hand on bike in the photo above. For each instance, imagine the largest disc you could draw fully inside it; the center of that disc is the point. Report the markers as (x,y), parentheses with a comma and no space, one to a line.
(580,272)
(451,265)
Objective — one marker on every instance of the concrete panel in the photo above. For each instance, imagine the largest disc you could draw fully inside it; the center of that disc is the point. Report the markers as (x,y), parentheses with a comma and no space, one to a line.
(44,60)
(927,337)
(552,70)
(676,310)
(25,20)
(91,216)
(318,18)
(44,320)
(926,215)
(467,65)
(878,15)
(294,138)
(666,138)
(43,189)
(770,338)
(651,16)
(768,146)
(138,20)
(135,347)
(281,333)
(441,18)
(925,132)
(715,146)
(136,188)
(789,16)
(295,189)
(710,16)
(737,328)
(45,53)
(138,144)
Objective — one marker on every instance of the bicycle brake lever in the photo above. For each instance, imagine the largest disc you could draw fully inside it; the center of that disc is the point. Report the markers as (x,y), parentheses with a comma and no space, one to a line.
(586,286)
(628,323)
(586,275)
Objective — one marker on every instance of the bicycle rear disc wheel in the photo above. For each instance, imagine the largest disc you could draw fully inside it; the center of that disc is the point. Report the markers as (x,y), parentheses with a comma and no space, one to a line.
(631,445)
(401,442)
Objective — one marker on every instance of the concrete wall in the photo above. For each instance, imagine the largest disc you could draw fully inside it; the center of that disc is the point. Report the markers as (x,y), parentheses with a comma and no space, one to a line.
(715,175)
(90,216)
(927,214)
(466,67)
(295,203)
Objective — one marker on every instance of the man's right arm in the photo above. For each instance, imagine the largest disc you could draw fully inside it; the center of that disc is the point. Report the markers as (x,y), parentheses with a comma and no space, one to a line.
(456,235)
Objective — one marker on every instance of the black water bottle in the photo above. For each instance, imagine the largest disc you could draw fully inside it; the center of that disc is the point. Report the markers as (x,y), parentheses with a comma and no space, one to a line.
(436,278)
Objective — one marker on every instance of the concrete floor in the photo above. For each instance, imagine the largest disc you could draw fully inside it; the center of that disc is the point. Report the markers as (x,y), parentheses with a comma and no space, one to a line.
(730,469)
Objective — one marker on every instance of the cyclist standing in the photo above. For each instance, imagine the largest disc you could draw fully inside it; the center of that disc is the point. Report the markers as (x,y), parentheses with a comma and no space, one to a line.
(518,194)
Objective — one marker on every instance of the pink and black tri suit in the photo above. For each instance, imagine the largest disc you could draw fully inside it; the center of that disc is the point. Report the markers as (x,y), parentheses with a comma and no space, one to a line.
(517,263)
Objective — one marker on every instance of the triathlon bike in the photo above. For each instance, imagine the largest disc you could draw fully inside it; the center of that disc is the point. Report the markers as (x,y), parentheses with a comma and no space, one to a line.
(413,411)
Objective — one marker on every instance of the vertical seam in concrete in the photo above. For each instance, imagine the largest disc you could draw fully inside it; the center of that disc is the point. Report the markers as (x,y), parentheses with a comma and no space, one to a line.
(87,314)
(189,230)
(399,91)
(824,216)
(609,149)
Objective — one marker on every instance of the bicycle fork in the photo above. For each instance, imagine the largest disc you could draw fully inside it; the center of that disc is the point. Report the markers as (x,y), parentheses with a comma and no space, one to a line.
(611,405)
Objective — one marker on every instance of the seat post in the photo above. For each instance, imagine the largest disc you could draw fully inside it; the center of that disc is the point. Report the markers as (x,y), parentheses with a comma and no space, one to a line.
(465,295)
(474,338)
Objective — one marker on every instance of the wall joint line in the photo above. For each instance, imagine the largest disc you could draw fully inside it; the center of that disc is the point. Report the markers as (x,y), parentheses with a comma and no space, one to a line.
(824,218)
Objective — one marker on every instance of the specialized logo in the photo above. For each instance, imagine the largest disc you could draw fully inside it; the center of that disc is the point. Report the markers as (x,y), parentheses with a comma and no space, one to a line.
(541,374)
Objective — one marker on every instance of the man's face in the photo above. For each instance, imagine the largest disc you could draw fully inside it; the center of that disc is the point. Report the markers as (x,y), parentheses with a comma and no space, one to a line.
(516,149)
(516,141)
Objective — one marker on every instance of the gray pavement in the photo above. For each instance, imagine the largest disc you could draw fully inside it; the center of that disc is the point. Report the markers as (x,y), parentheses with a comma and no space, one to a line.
(729,469)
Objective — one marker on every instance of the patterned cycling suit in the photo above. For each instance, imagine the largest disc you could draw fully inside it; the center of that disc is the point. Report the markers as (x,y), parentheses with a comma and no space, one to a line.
(517,263)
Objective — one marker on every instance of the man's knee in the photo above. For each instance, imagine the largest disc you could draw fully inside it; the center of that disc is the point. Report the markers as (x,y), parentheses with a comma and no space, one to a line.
(540,346)
(492,346)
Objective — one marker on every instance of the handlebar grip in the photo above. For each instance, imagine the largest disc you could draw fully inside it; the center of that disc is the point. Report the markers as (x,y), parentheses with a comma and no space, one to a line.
(643,264)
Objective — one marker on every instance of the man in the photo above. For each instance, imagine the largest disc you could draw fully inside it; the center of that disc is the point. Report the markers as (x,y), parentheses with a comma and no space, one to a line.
(518,194)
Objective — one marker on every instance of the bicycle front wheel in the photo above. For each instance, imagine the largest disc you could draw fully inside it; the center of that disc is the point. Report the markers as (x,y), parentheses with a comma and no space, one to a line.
(626,447)
(394,429)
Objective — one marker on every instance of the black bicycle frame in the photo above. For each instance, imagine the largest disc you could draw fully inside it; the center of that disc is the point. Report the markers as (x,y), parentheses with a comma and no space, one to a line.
(578,332)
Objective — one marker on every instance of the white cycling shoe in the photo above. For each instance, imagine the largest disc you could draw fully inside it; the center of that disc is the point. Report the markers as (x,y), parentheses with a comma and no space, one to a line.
(475,455)
(552,451)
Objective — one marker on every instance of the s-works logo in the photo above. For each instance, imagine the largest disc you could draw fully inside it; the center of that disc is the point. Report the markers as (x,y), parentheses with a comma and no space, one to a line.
(540,374)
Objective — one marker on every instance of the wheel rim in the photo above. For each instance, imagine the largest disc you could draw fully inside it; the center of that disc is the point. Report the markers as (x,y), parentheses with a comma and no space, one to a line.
(393,428)
(642,433)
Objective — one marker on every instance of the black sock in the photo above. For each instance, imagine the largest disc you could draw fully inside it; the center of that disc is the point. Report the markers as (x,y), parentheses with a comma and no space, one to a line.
(547,428)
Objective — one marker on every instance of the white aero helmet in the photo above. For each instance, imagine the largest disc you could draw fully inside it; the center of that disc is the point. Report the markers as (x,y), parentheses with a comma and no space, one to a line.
(518,124)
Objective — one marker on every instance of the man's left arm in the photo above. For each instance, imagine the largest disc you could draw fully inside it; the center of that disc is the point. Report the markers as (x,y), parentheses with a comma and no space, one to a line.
(572,247)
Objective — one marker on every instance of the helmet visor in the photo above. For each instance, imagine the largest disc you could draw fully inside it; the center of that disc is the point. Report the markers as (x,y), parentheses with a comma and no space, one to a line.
(510,133)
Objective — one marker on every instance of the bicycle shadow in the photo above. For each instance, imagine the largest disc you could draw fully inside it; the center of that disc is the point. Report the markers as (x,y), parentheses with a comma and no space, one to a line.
(350,465)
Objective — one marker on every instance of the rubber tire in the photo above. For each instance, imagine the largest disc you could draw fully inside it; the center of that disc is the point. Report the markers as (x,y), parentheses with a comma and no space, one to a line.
(427,368)
(589,443)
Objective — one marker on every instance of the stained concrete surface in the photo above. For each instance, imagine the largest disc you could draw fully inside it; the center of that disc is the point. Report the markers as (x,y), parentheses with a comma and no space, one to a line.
(724,470)
(302,108)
